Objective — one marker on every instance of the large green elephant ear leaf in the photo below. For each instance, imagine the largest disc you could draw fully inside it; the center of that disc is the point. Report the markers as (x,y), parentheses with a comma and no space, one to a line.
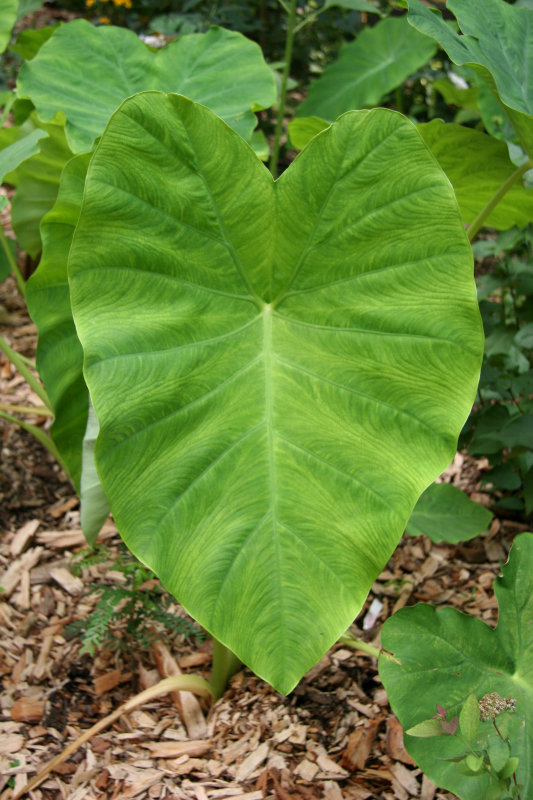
(59,353)
(477,166)
(380,59)
(278,368)
(497,41)
(446,655)
(87,72)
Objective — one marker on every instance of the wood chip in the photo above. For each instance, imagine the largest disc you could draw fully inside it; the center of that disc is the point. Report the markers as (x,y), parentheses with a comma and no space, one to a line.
(394,743)
(23,536)
(406,778)
(11,743)
(306,770)
(11,577)
(331,768)
(254,760)
(176,749)
(69,582)
(360,741)
(104,683)
(428,789)
(27,709)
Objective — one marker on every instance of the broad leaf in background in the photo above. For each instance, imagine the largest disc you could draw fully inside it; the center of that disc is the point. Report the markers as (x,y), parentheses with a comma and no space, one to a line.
(445,655)
(278,368)
(5,266)
(378,61)
(37,182)
(446,514)
(477,165)
(93,502)
(8,17)
(30,41)
(59,353)
(497,43)
(301,130)
(87,71)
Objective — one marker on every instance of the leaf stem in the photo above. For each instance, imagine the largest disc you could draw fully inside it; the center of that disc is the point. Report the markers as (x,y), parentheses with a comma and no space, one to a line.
(365,647)
(495,199)
(38,411)
(283,92)
(21,284)
(20,363)
(224,664)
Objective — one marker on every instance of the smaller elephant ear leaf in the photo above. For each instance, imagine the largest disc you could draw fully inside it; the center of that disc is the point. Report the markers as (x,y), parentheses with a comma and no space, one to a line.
(497,41)
(445,656)
(87,71)
(59,353)
(278,368)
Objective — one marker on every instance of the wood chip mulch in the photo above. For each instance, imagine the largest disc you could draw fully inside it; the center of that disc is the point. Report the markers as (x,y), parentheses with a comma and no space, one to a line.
(334,737)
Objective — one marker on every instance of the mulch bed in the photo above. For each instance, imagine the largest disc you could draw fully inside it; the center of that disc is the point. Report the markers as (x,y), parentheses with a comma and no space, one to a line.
(334,737)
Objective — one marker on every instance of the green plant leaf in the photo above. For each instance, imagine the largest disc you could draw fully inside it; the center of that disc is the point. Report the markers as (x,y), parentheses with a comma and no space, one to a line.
(5,266)
(302,130)
(87,71)
(427,729)
(510,767)
(469,719)
(37,182)
(278,368)
(8,17)
(477,165)
(380,59)
(59,353)
(497,42)
(30,41)
(498,752)
(93,502)
(447,655)
(21,149)
(446,514)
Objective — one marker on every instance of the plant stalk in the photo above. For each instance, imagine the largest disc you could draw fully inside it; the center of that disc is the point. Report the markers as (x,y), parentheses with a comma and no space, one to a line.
(283,92)
(365,647)
(37,411)
(21,283)
(224,664)
(485,212)
(20,363)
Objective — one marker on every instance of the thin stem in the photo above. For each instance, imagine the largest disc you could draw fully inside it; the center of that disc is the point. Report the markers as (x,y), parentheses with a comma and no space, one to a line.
(20,364)
(495,199)
(375,652)
(40,435)
(21,284)
(283,92)
(224,664)
(37,411)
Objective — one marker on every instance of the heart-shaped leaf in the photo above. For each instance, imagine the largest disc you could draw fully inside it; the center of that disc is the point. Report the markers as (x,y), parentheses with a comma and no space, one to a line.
(87,71)
(278,368)
(446,655)
(497,41)
(380,59)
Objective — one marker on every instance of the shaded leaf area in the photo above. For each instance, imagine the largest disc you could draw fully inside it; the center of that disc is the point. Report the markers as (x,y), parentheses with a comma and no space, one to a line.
(87,72)
(379,59)
(477,166)
(8,17)
(445,513)
(445,654)
(59,353)
(497,41)
(298,368)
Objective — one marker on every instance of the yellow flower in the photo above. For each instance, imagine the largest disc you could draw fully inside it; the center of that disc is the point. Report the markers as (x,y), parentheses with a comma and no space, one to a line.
(104,20)
(90,3)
